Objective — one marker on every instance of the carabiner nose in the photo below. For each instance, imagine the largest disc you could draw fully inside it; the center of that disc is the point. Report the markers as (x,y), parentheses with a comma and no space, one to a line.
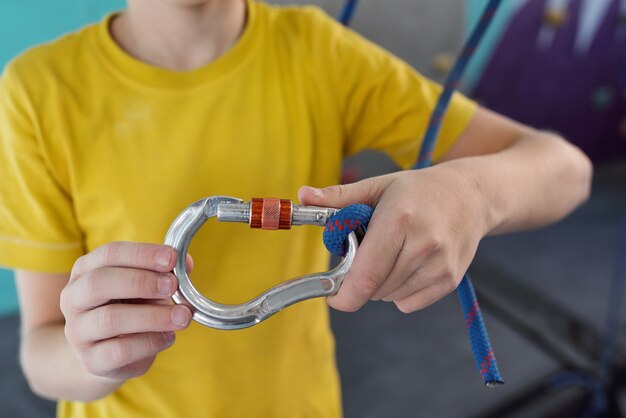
(259,213)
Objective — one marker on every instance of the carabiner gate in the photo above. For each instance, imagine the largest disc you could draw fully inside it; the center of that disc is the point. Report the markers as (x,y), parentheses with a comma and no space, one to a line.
(258,213)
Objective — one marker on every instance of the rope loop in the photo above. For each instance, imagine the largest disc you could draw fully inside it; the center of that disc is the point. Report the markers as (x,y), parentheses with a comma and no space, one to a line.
(342,223)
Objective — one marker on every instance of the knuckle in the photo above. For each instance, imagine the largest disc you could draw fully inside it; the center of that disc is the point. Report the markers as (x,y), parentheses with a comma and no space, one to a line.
(156,343)
(337,190)
(107,319)
(448,278)
(77,265)
(406,216)
(65,301)
(89,360)
(110,252)
(160,319)
(142,284)
(68,301)
(433,246)
(153,343)
(92,282)
(140,254)
(367,284)
(120,351)
(71,333)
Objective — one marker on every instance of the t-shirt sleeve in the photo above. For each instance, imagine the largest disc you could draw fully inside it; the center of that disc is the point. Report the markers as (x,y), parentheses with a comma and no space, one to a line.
(386,104)
(38,229)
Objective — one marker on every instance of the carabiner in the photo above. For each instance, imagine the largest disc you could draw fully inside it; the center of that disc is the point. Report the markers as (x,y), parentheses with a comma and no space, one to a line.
(258,213)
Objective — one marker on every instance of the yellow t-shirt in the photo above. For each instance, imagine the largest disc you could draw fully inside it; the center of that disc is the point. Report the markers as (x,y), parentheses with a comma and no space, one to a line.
(96,146)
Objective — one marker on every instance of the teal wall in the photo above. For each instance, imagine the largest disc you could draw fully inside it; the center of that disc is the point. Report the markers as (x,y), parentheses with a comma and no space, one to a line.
(474,9)
(24,23)
(8,297)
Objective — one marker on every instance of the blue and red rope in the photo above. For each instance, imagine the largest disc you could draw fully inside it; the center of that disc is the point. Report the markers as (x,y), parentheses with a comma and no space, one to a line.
(353,217)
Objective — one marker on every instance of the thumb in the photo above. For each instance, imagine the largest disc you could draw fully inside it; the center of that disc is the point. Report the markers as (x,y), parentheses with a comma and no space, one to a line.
(366,191)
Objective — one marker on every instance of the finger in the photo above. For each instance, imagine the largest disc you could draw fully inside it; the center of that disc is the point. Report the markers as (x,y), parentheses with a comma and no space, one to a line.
(135,369)
(372,264)
(430,274)
(166,301)
(107,357)
(100,286)
(405,267)
(366,191)
(400,284)
(190,263)
(413,284)
(127,254)
(413,259)
(117,319)
(423,298)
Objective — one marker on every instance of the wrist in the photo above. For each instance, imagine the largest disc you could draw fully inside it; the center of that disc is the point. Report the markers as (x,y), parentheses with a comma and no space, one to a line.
(52,370)
(479,195)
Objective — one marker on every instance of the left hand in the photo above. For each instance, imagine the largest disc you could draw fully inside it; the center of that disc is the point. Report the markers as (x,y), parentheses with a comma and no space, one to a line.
(420,240)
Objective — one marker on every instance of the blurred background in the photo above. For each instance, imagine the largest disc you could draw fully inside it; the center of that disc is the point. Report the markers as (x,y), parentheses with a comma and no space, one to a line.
(553,64)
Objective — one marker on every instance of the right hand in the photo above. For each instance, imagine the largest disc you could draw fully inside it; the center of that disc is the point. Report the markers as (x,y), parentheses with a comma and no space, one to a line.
(117,308)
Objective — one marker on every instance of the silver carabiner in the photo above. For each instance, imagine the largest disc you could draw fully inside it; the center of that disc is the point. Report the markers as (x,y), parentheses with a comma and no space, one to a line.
(258,213)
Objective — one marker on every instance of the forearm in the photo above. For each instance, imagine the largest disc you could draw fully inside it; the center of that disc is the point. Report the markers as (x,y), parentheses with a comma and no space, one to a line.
(537,180)
(53,371)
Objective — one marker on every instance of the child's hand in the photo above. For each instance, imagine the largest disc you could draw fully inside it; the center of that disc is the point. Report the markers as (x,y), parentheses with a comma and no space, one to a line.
(118,310)
(420,240)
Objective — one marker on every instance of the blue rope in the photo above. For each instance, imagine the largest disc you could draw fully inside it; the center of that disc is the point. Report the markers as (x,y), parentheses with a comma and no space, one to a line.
(484,357)
(340,225)
(451,83)
(347,12)
(354,216)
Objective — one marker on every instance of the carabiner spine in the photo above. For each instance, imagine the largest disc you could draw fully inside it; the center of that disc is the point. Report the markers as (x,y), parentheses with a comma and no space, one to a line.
(283,214)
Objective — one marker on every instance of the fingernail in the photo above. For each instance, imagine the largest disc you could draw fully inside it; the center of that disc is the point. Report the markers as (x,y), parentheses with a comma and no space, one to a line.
(163,258)
(165,285)
(169,338)
(179,316)
(315,191)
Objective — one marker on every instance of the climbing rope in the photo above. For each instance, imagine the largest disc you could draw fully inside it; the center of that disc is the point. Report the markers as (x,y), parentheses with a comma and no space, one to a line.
(452,82)
(347,12)
(357,216)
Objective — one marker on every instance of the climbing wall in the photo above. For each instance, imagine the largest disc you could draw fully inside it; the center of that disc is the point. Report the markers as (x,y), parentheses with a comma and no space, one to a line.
(561,65)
